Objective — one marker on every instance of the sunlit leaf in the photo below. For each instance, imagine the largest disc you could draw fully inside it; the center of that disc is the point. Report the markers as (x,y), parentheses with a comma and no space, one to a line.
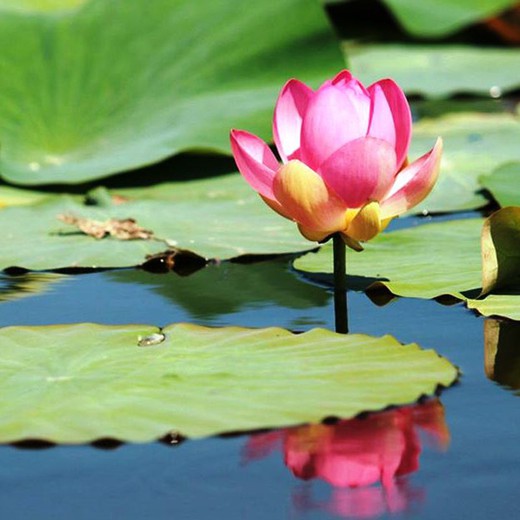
(77,383)
(438,70)
(504,184)
(501,250)
(426,261)
(110,86)
(212,221)
(506,305)
(474,145)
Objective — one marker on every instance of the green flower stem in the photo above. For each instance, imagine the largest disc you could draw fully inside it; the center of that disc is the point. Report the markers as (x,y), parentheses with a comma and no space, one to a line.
(340,284)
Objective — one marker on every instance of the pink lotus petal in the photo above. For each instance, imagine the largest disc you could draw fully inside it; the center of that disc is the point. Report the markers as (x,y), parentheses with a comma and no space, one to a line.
(342,77)
(288,114)
(390,117)
(335,115)
(360,171)
(304,196)
(413,183)
(255,161)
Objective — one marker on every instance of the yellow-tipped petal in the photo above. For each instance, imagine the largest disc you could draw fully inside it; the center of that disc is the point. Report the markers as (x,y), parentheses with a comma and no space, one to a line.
(312,235)
(366,224)
(350,242)
(304,196)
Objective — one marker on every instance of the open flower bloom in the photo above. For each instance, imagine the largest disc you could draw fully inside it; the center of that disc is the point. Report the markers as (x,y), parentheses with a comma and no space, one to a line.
(344,158)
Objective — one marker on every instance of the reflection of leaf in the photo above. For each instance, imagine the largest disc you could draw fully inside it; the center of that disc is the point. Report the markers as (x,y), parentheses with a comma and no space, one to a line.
(226,288)
(77,383)
(502,352)
(437,70)
(109,86)
(426,261)
(20,286)
(435,18)
(504,184)
(501,250)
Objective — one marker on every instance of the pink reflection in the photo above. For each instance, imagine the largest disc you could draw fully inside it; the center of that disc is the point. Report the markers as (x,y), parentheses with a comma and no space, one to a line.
(355,454)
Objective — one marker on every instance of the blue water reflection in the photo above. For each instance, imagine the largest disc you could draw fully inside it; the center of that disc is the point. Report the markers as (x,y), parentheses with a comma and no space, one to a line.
(475,478)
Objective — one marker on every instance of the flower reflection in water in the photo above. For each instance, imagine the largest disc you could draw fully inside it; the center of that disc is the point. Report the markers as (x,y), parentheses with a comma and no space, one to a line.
(353,455)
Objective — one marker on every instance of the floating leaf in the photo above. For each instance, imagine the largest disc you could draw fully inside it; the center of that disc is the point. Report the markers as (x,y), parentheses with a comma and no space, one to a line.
(475,144)
(426,261)
(220,226)
(438,70)
(77,383)
(434,18)
(504,305)
(504,184)
(501,250)
(110,86)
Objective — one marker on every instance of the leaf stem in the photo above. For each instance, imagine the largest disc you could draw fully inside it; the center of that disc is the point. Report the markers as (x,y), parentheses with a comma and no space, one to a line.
(340,284)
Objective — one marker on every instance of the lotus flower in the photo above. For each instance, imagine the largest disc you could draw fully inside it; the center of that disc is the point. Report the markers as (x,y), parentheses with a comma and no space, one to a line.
(344,158)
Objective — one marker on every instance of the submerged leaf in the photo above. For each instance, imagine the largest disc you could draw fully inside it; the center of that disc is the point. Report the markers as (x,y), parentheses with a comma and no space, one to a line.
(77,383)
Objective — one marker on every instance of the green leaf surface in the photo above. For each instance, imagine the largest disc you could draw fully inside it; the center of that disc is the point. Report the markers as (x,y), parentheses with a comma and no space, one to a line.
(78,383)
(436,18)
(501,250)
(110,86)
(474,145)
(426,261)
(39,5)
(212,221)
(504,184)
(503,305)
(438,70)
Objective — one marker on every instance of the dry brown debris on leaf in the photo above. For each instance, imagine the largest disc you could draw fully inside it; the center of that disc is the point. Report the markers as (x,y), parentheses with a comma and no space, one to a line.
(122,229)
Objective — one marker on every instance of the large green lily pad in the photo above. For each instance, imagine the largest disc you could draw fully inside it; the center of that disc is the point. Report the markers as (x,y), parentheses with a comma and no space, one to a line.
(438,70)
(109,86)
(504,184)
(474,145)
(435,18)
(77,383)
(211,223)
(426,261)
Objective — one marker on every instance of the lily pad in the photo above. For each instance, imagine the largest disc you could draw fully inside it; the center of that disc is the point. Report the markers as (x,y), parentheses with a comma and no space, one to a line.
(437,70)
(436,18)
(82,97)
(426,261)
(504,184)
(501,250)
(77,383)
(39,5)
(503,305)
(475,145)
(218,227)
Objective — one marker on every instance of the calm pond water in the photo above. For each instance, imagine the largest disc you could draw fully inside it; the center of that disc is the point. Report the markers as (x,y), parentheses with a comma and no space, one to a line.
(469,460)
